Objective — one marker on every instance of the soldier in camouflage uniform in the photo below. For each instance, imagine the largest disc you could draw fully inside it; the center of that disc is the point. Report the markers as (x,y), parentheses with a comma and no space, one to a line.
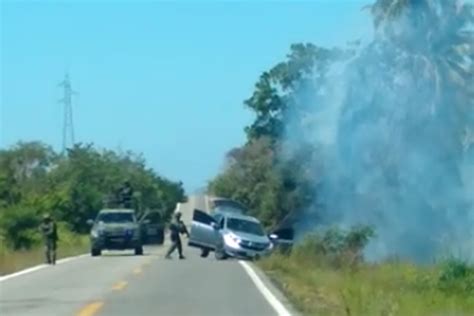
(126,195)
(177,227)
(50,236)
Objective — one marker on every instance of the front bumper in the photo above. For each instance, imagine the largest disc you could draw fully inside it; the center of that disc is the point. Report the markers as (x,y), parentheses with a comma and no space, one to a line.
(242,252)
(115,242)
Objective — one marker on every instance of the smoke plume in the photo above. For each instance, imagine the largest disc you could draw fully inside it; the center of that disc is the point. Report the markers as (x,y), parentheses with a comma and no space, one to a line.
(393,148)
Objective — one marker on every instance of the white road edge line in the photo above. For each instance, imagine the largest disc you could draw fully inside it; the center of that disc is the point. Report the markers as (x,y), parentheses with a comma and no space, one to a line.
(271,299)
(38,267)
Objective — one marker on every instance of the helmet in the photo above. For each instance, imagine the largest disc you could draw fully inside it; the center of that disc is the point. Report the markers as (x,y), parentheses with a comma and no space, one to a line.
(46,216)
(177,214)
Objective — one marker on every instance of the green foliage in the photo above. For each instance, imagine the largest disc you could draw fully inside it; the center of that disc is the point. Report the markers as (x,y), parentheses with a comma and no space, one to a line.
(72,187)
(318,287)
(335,247)
(19,227)
(276,91)
(251,179)
(456,276)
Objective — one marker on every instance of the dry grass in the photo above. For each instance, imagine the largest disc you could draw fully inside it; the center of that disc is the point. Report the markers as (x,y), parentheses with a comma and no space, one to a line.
(12,261)
(384,289)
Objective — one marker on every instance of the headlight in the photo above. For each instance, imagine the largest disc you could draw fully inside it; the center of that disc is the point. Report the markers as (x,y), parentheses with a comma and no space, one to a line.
(98,233)
(232,241)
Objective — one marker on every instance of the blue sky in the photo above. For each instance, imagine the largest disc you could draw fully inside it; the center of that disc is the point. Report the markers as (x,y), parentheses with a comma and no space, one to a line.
(166,79)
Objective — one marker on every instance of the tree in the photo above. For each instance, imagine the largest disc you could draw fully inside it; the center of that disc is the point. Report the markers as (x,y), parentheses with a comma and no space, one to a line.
(401,112)
(278,91)
(438,40)
(251,179)
(34,180)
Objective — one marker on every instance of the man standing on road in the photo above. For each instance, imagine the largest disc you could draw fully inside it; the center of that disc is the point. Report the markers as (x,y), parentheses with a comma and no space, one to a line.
(177,227)
(50,236)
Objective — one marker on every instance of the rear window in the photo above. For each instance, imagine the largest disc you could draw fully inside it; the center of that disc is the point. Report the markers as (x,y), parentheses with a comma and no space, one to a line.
(228,209)
(116,217)
(229,205)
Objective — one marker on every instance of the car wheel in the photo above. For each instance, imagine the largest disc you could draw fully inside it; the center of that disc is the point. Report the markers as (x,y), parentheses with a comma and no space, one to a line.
(139,251)
(220,253)
(95,252)
(205,253)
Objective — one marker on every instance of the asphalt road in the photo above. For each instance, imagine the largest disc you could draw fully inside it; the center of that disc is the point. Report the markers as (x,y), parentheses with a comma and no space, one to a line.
(119,283)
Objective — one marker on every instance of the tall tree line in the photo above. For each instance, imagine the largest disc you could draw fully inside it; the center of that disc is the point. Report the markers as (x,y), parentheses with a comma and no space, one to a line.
(73,187)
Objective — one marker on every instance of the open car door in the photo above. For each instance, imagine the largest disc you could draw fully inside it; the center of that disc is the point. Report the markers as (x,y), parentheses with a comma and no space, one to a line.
(283,238)
(203,233)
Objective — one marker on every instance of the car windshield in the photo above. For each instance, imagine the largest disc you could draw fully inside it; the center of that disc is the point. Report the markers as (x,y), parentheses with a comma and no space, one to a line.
(245,226)
(115,217)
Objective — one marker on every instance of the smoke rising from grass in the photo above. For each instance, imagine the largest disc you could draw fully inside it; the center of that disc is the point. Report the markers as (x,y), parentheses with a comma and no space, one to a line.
(393,149)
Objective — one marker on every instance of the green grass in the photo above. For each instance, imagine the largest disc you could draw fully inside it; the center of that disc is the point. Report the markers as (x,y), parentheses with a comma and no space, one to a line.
(12,261)
(391,288)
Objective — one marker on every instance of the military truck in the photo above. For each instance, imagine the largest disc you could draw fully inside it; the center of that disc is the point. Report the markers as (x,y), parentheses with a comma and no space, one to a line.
(115,229)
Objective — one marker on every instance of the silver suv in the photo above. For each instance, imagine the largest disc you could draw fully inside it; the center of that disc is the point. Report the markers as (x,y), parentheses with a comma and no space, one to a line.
(115,229)
(229,234)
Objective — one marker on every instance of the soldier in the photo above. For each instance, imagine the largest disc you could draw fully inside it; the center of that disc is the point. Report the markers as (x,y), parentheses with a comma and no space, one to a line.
(125,195)
(177,227)
(50,236)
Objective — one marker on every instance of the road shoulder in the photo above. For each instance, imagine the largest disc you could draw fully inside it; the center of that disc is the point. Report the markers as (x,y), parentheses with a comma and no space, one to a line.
(275,297)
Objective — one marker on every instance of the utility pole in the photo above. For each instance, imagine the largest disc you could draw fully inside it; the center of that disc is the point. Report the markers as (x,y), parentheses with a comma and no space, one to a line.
(68,124)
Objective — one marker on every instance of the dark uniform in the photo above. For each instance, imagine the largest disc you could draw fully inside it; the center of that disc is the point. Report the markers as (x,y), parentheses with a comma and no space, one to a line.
(50,236)
(177,227)
(125,195)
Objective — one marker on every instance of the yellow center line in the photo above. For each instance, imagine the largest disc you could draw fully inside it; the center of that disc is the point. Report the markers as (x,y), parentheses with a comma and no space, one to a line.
(119,285)
(90,309)
(137,271)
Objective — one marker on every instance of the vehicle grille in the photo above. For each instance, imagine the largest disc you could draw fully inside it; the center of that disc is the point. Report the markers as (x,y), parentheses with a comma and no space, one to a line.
(115,233)
(253,245)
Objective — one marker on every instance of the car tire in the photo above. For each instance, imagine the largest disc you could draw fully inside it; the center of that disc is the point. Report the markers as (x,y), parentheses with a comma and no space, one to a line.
(139,251)
(220,254)
(95,252)
(204,253)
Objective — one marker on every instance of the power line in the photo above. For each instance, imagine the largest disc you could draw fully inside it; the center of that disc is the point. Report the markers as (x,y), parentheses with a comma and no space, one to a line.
(68,123)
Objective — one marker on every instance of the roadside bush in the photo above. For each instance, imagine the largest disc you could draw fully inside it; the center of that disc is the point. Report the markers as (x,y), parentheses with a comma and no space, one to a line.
(19,227)
(456,276)
(335,247)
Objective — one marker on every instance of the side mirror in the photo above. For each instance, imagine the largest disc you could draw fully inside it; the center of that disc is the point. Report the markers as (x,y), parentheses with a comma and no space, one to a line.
(214,225)
(90,222)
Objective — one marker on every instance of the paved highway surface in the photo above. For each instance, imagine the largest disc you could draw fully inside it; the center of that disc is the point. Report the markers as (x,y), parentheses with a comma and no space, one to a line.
(119,283)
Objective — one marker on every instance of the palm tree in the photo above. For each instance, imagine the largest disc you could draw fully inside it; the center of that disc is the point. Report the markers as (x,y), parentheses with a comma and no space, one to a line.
(438,36)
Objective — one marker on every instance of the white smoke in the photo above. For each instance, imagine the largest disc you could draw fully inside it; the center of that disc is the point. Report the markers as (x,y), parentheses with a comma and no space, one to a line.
(392,150)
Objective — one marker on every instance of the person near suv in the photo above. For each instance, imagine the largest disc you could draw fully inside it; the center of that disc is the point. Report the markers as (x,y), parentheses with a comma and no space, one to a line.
(177,227)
